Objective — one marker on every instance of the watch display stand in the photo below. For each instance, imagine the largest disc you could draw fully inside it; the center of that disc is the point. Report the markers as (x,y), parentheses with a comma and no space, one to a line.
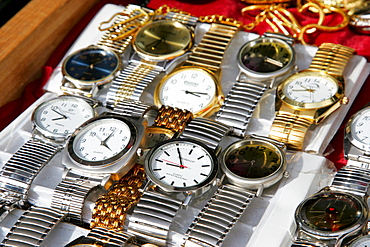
(269,219)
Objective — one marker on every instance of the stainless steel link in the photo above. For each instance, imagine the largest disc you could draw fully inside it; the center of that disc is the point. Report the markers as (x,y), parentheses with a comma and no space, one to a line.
(353,180)
(239,105)
(132,108)
(111,237)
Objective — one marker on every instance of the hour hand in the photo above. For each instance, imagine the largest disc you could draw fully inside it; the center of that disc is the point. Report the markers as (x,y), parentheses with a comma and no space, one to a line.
(274,62)
(195,93)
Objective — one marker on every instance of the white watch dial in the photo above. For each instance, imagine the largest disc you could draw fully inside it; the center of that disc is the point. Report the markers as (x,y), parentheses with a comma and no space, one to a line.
(360,127)
(102,139)
(363,241)
(190,89)
(181,164)
(62,115)
(310,89)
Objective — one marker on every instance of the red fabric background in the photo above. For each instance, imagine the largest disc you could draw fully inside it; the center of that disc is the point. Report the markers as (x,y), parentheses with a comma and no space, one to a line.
(230,8)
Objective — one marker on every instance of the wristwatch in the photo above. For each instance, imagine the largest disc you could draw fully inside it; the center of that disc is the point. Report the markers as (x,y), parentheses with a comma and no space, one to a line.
(250,165)
(102,237)
(156,45)
(337,213)
(195,84)
(263,62)
(359,18)
(53,122)
(309,96)
(178,169)
(361,241)
(356,143)
(86,70)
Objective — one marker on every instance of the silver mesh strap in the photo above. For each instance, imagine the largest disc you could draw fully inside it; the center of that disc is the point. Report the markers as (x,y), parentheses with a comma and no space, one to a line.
(210,227)
(207,131)
(152,217)
(239,105)
(131,82)
(70,194)
(129,20)
(352,180)
(21,169)
(132,108)
(111,237)
(32,227)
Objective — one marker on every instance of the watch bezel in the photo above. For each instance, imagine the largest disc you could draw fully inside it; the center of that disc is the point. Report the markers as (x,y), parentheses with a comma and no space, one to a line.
(160,57)
(127,156)
(166,187)
(268,75)
(85,84)
(215,103)
(359,240)
(350,135)
(309,106)
(354,229)
(253,183)
(53,135)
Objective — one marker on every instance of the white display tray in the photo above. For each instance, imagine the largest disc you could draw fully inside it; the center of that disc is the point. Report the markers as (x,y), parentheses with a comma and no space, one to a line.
(269,220)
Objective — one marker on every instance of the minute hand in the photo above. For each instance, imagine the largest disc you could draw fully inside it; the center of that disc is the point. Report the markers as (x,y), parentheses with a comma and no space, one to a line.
(195,93)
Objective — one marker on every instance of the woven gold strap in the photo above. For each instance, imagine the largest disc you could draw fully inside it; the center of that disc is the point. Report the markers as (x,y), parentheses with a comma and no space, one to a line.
(331,58)
(110,209)
(173,118)
(211,49)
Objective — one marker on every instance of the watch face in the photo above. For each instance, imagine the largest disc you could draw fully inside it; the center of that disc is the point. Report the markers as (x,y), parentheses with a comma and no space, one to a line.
(363,241)
(102,141)
(181,164)
(265,55)
(359,128)
(310,90)
(189,89)
(61,116)
(91,65)
(330,212)
(163,39)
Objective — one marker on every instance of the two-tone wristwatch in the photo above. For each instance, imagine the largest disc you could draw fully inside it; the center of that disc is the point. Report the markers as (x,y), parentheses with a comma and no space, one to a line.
(86,70)
(310,96)
(195,85)
(156,45)
(178,169)
(337,213)
(53,123)
(356,139)
(263,62)
(99,152)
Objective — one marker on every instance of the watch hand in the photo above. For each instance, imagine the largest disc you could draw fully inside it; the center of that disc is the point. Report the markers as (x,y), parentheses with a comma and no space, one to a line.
(194,93)
(308,89)
(60,113)
(154,43)
(274,62)
(104,142)
(58,118)
(180,158)
(170,163)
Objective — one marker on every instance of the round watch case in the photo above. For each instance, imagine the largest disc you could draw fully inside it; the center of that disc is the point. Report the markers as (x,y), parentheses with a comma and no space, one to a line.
(266,58)
(192,88)
(298,90)
(254,163)
(163,39)
(59,117)
(181,165)
(91,65)
(363,241)
(119,136)
(330,215)
(357,128)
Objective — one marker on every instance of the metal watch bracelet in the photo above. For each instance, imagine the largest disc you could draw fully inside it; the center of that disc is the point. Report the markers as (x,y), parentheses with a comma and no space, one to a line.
(239,105)
(211,226)
(17,175)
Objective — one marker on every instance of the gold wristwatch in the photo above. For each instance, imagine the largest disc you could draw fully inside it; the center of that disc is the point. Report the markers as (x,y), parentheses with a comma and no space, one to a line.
(195,85)
(311,95)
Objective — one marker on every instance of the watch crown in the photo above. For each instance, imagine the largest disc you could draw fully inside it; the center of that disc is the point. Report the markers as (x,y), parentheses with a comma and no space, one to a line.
(345,100)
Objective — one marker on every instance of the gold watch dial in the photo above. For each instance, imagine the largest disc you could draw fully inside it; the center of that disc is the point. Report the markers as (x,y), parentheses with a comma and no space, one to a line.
(163,39)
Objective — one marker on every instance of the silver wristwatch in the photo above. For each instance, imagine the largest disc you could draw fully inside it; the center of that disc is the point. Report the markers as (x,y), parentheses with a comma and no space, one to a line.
(85,71)
(179,168)
(156,45)
(263,62)
(337,213)
(356,139)
(53,122)
(91,161)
